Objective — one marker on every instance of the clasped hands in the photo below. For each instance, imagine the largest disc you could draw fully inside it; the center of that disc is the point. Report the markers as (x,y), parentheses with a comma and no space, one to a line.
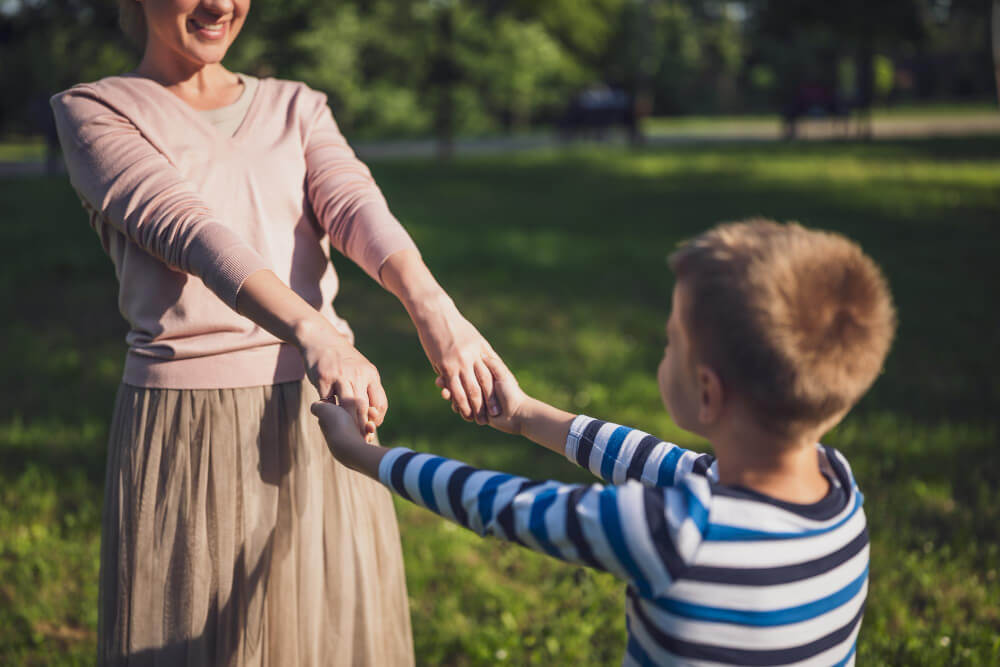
(465,363)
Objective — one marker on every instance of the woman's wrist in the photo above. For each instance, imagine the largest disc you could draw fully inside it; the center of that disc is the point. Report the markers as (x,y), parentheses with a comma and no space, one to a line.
(405,275)
(430,308)
(311,331)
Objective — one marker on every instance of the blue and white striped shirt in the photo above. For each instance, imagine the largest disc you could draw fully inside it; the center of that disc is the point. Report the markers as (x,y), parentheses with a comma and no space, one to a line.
(716,574)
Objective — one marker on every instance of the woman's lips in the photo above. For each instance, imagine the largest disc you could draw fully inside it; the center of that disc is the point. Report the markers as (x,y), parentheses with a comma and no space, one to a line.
(210,31)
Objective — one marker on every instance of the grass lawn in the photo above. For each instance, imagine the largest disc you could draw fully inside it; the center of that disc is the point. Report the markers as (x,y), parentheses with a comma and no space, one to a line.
(560,259)
(22,150)
(771,123)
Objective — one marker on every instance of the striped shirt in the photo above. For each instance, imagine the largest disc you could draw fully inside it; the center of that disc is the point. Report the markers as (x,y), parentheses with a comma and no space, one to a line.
(716,574)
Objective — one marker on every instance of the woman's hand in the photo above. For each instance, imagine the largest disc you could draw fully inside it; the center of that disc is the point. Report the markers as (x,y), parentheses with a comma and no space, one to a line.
(338,371)
(460,356)
(342,375)
(508,397)
(457,351)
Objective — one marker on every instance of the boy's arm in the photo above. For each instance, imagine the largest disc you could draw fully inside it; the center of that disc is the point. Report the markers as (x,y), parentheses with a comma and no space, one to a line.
(612,452)
(618,453)
(625,530)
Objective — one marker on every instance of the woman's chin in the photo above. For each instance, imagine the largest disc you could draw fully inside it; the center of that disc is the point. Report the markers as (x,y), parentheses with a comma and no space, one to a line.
(203,56)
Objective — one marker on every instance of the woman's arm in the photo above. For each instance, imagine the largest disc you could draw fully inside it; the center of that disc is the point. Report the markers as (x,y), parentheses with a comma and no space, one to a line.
(118,172)
(333,364)
(457,351)
(353,211)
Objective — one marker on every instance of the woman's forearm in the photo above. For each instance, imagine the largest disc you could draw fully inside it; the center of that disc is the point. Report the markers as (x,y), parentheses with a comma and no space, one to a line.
(408,278)
(334,366)
(272,305)
(456,350)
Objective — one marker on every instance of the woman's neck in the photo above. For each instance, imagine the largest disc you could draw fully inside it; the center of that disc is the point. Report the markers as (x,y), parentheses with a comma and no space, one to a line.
(201,86)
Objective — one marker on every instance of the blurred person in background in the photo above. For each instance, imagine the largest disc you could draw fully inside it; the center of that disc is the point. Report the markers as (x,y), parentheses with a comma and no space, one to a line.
(230,536)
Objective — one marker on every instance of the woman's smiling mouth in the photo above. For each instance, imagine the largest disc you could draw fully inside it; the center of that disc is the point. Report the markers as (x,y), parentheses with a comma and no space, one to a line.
(209,30)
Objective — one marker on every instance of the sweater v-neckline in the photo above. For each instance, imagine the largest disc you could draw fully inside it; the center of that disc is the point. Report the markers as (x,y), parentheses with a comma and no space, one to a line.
(196,116)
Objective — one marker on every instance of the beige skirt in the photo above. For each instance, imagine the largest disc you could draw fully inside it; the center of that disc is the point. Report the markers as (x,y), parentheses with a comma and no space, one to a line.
(232,537)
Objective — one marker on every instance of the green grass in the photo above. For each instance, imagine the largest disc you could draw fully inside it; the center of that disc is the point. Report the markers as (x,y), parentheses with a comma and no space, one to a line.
(559,258)
(22,150)
(771,122)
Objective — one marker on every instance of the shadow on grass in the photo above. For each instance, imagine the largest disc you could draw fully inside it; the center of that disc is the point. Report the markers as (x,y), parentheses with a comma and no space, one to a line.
(560,259)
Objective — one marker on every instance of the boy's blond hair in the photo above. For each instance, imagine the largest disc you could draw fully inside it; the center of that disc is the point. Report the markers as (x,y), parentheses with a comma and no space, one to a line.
(796,321)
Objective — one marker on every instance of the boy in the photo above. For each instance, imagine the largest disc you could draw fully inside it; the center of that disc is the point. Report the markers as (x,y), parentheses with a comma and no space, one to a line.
(758,555)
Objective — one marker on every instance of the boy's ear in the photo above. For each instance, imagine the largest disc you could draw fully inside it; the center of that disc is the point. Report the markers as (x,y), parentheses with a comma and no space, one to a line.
(711,395)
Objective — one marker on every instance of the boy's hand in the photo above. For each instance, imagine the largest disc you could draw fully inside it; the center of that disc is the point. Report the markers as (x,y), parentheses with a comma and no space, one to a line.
(344,440)
(509,397)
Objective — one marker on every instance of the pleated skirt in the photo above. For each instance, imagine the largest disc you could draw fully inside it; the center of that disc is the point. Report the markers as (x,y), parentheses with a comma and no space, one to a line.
(231,536)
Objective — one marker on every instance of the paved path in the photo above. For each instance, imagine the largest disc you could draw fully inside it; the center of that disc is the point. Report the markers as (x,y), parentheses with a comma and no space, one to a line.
(750,131)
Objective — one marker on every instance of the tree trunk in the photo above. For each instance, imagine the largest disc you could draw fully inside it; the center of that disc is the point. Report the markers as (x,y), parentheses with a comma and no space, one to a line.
(996,44)
(444,74)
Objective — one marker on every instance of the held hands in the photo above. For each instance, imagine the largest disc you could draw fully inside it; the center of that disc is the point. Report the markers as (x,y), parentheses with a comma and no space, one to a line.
(343,375)
(462,359)
(509,399)
(344,440)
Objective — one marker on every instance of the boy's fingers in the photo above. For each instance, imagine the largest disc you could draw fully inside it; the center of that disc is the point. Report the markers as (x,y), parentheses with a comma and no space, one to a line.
(446,394)
(439,381)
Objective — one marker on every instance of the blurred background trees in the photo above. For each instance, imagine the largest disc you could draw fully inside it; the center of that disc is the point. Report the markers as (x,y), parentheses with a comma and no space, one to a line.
(411,67)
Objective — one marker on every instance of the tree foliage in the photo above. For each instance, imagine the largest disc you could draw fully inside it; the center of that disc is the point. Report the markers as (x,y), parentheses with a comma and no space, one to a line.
(406,67)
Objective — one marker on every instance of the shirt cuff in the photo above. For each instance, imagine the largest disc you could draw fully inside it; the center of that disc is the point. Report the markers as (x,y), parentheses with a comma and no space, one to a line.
(575,432)
(384,236)
(388,461)
(224,261)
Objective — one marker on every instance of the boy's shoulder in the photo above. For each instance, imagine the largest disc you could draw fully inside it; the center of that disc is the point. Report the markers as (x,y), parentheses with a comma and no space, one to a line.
(737,513)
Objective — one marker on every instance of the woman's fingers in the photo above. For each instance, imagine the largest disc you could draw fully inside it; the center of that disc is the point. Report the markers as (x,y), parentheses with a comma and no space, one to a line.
(473,394)
(378,402)
(458,398)
(485,378)
(356,403)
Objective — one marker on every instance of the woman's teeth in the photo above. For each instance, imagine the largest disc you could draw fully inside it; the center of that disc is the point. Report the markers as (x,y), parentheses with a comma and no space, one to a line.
(209,27)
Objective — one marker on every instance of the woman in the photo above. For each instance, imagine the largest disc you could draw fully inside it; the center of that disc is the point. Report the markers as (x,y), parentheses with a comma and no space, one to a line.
(230,536)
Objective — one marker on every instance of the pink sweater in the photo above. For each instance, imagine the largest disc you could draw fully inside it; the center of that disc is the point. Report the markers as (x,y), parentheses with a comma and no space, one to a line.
(187,214)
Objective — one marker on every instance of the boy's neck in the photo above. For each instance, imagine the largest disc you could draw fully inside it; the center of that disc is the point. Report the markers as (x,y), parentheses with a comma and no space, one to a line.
(780,467)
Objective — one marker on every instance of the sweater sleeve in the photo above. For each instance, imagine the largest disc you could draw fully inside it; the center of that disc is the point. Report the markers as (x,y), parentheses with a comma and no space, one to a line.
(119,173)
(618,453)
(626,530)
(345,198)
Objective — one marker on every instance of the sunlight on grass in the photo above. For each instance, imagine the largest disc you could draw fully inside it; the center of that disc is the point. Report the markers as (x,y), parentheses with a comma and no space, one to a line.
(560,259)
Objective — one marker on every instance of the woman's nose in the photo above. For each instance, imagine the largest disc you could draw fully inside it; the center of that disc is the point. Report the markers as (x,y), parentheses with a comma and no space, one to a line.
(218,7)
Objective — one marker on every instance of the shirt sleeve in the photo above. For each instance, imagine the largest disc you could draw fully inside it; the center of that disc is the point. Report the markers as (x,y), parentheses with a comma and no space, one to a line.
(120,174)
(625,530)
(345,198)
(618,453)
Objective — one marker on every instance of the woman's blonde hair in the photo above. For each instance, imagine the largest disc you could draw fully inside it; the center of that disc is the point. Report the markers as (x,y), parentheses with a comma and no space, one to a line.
(132,21)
